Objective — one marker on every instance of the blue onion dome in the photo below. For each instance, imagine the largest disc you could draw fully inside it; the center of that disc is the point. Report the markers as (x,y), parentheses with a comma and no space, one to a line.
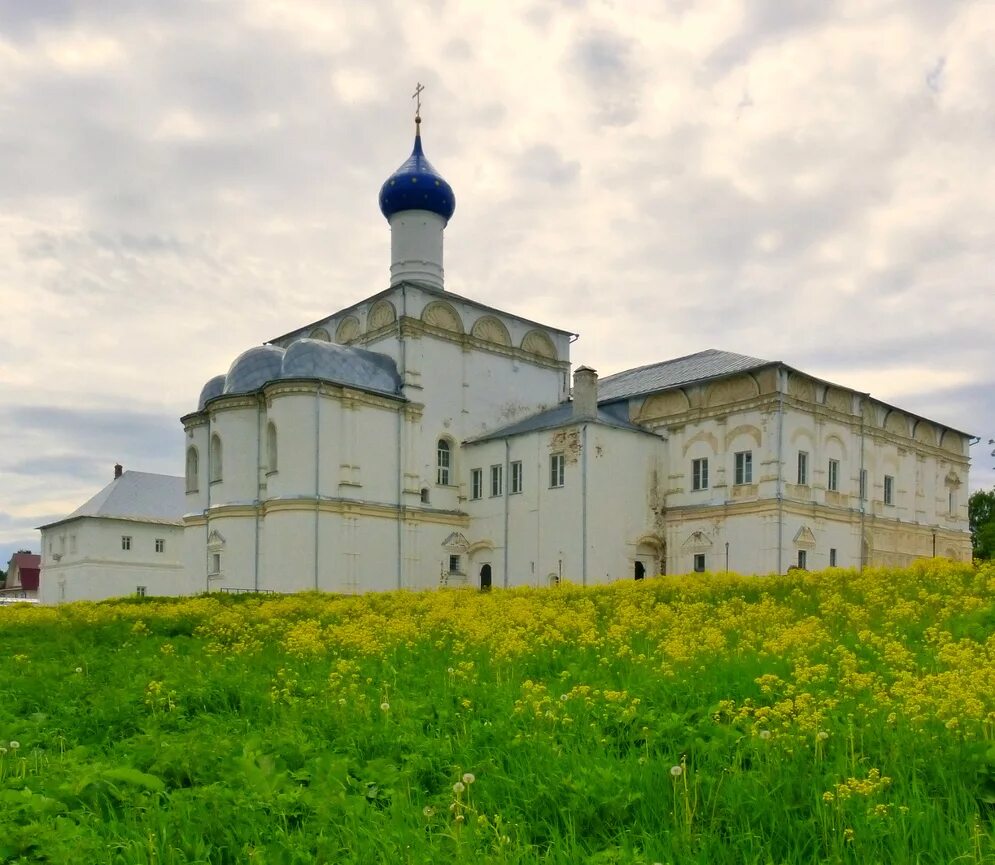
(214,388)
(416,185)
(253,368)
(341,364)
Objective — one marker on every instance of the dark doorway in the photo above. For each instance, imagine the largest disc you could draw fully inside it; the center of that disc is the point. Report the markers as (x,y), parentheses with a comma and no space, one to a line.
(640,570)
(485,578)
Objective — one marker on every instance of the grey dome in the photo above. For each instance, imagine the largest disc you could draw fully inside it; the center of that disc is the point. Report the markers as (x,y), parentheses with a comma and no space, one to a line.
(215,387)
(329,361)
(253,368)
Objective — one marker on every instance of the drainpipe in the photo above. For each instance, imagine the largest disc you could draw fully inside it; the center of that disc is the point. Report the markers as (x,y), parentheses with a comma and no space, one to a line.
(403,354)
(780,468)
(317,456)
(863,496)
(207,513)
(583,505)
(507,483)
(259,463)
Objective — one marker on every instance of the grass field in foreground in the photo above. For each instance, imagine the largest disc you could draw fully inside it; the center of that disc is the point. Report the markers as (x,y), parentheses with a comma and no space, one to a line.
(826,717)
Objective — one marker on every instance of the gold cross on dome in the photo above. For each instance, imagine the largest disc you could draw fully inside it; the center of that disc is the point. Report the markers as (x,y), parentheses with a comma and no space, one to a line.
(417,96)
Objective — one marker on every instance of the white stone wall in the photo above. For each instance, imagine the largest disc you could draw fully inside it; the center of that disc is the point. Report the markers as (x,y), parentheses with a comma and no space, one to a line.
(96,566)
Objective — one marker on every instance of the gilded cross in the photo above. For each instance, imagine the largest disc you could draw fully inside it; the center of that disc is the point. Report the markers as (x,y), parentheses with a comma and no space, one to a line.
(417,96)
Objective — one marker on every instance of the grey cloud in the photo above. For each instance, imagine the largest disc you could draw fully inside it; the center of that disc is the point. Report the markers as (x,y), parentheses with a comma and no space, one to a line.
(608,72)
(546,164)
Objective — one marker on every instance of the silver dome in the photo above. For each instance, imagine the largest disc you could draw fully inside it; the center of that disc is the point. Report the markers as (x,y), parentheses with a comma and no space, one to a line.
(215,387)
(253,368)
(354,367)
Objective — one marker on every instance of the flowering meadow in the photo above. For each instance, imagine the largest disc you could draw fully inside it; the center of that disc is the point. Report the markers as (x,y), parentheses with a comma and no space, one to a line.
(818,717)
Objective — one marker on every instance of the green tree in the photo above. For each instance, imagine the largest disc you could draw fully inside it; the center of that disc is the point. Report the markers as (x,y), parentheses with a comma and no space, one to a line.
(981,513)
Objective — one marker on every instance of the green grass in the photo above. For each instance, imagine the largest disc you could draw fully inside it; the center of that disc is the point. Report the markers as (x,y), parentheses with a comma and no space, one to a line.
(834,717)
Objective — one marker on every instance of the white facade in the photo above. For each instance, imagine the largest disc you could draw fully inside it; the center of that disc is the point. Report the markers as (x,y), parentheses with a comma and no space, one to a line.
(128,539)
(418,437)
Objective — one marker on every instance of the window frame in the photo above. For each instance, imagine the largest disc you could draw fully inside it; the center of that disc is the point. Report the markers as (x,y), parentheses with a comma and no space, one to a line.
(699,474)
(517,478)
(803,468)
(698,563)
(160,545)
(803,559)
(833,476)
(193,469)
(443,463)
(272,449)
(557,470)
(832,557)
(140,591)
(497,481)
(126,543)
(214,566)
(216,459)
(888,494)
(743,468)
(862,485)
(457,560)
(476,484)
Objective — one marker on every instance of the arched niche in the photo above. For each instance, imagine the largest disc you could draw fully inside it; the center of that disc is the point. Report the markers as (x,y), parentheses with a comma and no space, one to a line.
(897,423)
(838,400)
(489,328)
(382,313)
(664,404)
(952,442)
(321,334)
(924,433)
(347,330)
(801,388)
(730,390)
(537,342)
(443,316)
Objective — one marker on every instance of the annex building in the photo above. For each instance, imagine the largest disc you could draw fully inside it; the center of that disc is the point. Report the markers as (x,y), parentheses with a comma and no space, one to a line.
(419,437)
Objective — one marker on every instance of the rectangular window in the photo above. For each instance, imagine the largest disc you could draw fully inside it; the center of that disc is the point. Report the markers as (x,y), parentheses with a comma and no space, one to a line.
(889,490)
(699,474)
(744,467)
(454,564)
(497,481)
(160,545)
(833,482)
(476,483)
(516,477)
(556,466)
(951,503)
(699,563)
(863,485)
(444,456)
(832,557)
(140,591)
(125,542)
(215,563)
(802,467)
(803,559)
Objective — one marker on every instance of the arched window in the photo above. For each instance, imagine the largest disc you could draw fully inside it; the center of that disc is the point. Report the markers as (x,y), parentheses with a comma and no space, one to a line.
(215,457)
(444,463)
(193,464)
(271,454)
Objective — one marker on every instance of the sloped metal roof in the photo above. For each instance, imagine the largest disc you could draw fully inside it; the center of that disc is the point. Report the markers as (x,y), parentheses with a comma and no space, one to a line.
(559,416)
(140,496)
(707,364)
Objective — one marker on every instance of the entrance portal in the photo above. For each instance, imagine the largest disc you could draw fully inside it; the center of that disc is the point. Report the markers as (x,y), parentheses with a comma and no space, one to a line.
(485,577)
(640,570)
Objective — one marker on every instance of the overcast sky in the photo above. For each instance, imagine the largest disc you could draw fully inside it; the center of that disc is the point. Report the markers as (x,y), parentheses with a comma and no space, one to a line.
(800,180)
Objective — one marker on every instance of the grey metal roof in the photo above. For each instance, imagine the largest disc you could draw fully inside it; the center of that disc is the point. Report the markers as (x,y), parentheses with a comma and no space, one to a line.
(559,416)
(710,363)
(306,359)
(140,496)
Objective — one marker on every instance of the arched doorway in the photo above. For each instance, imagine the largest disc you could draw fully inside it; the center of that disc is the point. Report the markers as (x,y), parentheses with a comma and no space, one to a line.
(485,577)
(639,570)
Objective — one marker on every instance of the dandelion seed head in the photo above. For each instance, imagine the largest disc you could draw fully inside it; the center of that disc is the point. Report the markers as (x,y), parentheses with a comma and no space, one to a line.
(764,734)
(428,810)
(677,771)
(459,787)
(385,706)
(469,777)
(822,735)
(79,669)
(14,745)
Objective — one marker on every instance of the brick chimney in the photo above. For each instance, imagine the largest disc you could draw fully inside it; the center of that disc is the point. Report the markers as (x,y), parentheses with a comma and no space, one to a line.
(585,393)
(118,469)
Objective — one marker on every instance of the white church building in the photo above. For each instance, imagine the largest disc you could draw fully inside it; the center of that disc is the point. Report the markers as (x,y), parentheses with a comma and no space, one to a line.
(419,437)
